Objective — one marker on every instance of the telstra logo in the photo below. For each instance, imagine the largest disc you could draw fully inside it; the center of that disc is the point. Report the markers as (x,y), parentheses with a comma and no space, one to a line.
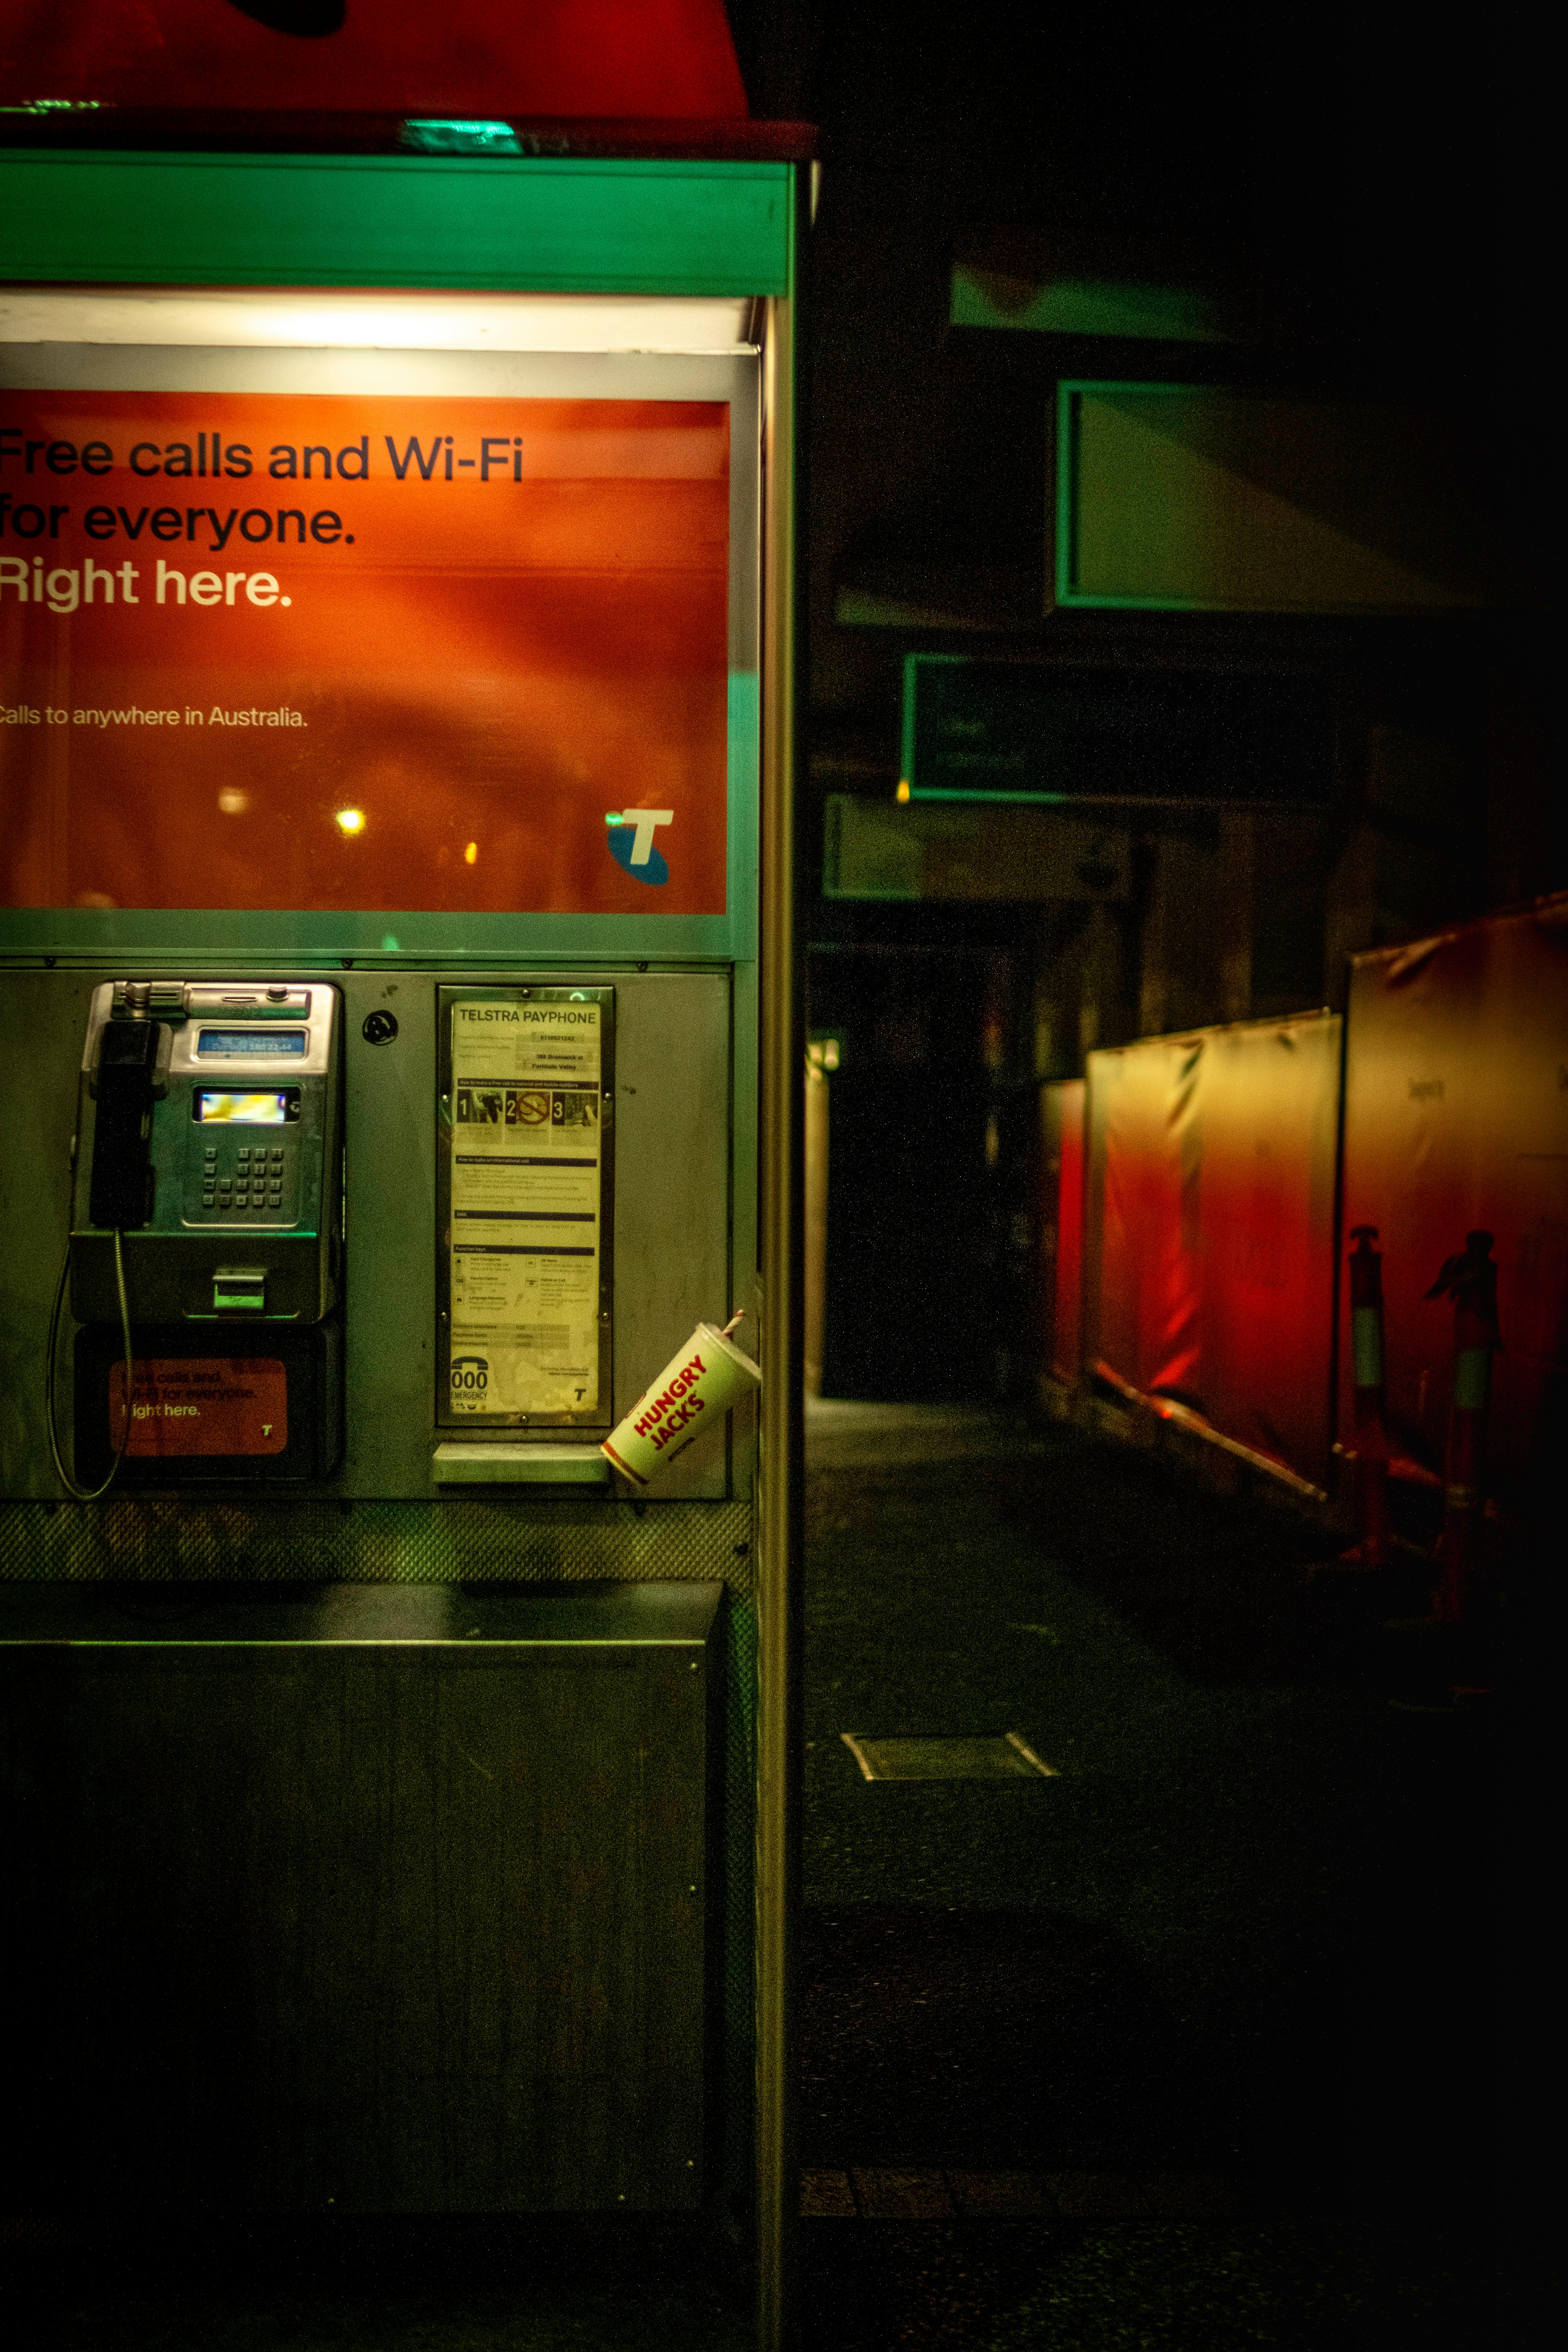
(631,833)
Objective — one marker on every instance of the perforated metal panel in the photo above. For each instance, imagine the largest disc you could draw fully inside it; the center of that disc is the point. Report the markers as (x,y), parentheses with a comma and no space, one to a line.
(165,1537)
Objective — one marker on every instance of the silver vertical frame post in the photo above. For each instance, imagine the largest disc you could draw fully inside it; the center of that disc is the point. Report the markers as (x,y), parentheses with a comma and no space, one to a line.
(780,1254)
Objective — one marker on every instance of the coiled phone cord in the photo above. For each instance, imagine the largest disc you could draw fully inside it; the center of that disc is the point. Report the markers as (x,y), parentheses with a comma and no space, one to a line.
(90,1494)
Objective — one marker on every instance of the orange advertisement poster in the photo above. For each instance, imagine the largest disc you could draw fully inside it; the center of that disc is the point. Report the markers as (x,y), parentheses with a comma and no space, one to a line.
(325,651)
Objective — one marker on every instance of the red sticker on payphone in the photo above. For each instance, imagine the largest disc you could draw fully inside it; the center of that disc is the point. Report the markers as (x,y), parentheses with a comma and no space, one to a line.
(201,1404)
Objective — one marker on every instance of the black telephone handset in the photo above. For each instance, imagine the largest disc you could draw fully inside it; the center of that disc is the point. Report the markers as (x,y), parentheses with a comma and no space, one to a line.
(122,1190)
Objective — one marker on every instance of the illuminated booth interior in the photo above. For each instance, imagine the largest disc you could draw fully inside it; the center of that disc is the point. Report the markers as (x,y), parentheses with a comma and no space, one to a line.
(386,987)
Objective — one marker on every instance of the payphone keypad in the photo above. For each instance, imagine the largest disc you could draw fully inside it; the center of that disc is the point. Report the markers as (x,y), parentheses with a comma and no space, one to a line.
(254,1182)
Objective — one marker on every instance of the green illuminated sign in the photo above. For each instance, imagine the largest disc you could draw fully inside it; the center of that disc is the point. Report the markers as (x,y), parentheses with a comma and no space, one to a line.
(1031,732)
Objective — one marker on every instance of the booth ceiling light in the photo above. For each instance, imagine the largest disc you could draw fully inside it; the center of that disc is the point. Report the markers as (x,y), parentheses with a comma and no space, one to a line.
(443,135)
(350,820)
(443,322)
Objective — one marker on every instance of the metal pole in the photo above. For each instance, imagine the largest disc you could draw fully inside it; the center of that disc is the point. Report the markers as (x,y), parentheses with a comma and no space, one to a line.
(779,1518)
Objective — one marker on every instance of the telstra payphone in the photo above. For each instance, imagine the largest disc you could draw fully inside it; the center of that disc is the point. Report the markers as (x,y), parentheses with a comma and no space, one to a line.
(396,1754)
(206,1216)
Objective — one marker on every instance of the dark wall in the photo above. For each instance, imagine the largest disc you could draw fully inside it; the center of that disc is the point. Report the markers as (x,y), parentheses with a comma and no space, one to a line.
(1361,203)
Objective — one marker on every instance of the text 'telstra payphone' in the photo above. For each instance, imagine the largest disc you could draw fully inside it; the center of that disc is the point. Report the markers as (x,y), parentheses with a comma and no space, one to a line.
(206,1231)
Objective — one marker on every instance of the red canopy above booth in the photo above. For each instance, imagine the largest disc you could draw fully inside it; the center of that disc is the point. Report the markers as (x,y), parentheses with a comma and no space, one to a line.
(621,59)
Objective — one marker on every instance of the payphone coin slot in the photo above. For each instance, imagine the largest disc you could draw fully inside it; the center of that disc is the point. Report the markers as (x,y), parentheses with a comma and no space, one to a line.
(264,1002)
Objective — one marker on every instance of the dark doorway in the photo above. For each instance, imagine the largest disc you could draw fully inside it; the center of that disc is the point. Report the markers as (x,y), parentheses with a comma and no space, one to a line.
(923,1171)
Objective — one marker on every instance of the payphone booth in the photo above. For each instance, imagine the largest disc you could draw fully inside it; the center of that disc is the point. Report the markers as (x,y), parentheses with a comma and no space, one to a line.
(394,652)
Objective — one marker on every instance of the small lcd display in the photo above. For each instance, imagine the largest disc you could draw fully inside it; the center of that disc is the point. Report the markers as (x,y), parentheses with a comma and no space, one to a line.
(251,1041)
(248,1110)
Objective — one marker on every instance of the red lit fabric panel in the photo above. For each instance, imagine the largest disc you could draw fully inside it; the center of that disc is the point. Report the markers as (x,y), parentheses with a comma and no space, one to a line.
(1141,1303)
(620,58)
(1209,1227)
(1456,1117)
(1269,1115)
(1062,1225)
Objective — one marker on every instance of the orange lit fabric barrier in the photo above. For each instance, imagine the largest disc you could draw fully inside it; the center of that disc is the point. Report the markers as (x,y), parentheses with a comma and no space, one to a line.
(1061,1224)
(1456,1121)
(1209,1229)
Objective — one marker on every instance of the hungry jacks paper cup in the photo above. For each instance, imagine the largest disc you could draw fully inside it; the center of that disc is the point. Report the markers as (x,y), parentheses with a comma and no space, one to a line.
(696,1388)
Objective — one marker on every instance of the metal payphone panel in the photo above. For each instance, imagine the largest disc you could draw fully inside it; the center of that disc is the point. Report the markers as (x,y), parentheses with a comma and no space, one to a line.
(255,1982)
(672,1246)
(678,1256)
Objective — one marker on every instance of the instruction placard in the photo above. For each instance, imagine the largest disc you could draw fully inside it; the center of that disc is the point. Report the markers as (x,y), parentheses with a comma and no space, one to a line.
(526,1159)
